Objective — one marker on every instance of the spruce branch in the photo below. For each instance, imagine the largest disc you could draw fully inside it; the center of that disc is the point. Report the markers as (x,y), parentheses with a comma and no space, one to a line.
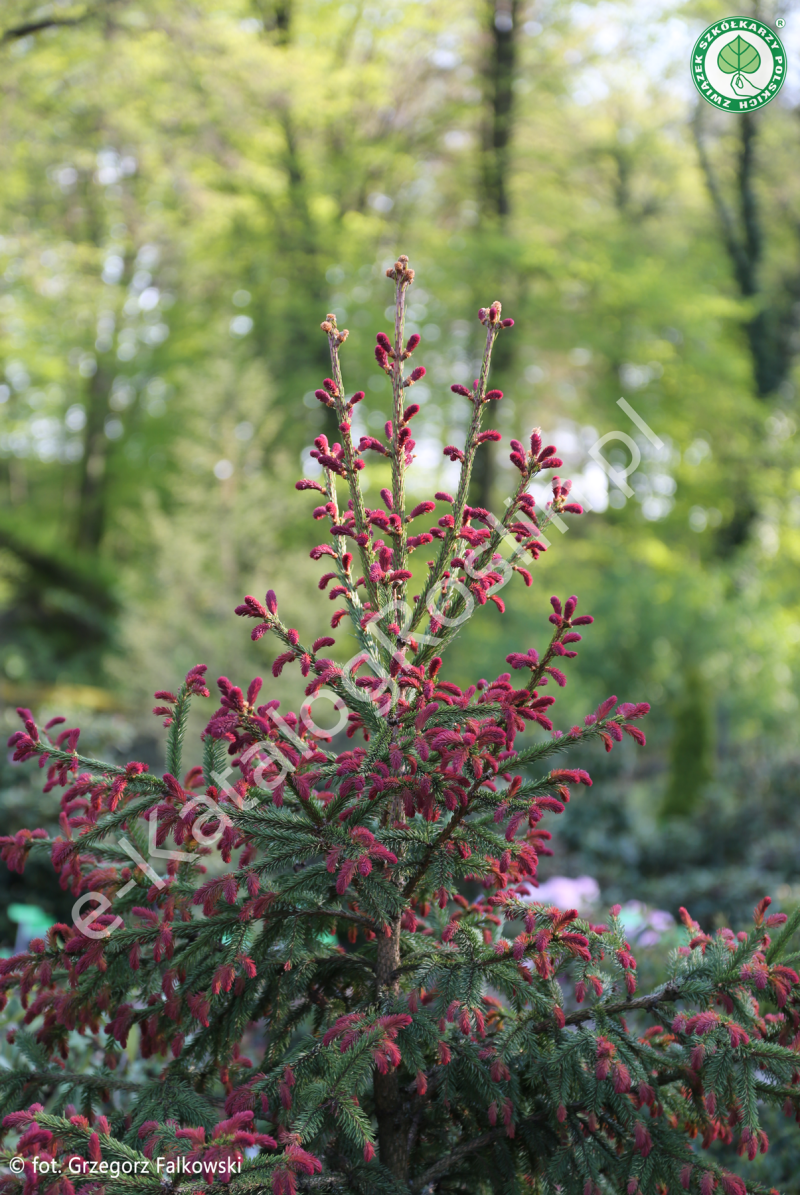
(335,340)
(403,277)
(452,538)
(58,1078)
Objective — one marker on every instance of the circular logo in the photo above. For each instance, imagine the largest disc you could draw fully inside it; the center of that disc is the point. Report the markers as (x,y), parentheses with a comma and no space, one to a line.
(738,64)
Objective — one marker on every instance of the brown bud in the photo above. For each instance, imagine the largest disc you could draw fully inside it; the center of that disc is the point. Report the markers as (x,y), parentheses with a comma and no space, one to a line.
(400,271)
(326,327)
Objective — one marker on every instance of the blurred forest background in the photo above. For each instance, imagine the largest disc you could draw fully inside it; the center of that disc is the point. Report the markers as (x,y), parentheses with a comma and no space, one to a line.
(186,188)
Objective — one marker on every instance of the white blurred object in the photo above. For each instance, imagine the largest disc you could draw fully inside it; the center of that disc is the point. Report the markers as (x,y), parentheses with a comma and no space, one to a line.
(580,893)
(643,926)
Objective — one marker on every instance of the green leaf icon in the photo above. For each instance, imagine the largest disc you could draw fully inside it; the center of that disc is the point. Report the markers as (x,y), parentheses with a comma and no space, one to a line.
(739,55)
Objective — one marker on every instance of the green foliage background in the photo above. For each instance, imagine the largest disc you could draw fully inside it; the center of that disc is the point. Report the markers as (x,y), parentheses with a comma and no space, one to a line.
(189,187)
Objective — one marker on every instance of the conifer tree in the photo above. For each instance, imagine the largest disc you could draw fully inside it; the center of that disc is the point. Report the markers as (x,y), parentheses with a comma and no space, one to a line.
(313,962)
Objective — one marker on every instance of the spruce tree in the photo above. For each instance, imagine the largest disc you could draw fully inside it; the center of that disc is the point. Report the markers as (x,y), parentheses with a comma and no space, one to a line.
(315,960)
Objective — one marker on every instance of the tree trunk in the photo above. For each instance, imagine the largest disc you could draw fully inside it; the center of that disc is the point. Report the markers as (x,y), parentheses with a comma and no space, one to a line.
(498,74)
(277,18)
(770,332)
(91,516)
(499,107)
(389,1111)
(298,251)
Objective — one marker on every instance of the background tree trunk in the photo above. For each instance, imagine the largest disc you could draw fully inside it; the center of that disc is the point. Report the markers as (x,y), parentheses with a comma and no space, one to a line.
(772,329)
(498,124)
(91,514)
(498,72)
